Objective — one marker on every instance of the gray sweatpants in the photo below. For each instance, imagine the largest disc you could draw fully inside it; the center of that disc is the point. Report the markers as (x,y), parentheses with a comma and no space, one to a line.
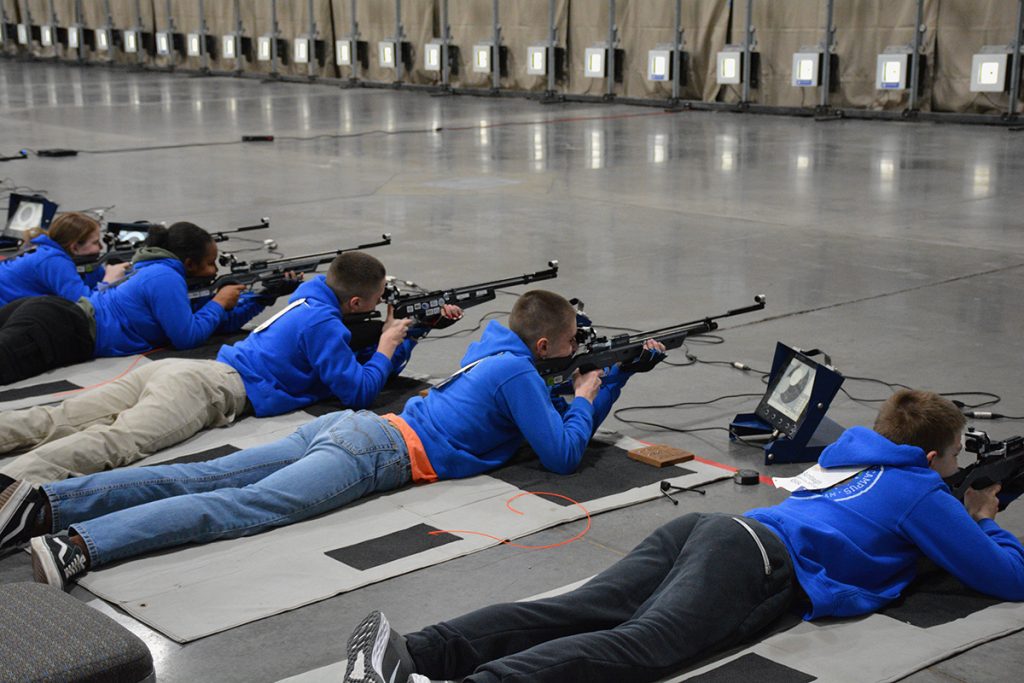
(152,407)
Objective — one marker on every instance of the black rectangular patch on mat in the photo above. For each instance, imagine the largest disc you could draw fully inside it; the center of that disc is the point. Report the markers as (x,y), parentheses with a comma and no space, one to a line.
(937,599)
(38,390)
(201,456)
(753,667)
(383,549)
(391,398)
(605,470)
(206,351)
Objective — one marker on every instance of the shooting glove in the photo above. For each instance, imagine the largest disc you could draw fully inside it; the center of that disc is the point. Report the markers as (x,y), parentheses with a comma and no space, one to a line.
(645,362)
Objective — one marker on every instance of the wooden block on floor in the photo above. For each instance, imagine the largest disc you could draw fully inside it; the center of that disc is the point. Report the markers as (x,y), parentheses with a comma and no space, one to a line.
(660,456)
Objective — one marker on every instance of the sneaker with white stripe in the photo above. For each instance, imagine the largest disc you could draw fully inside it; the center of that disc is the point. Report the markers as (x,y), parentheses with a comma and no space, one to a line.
(377,653)
(56,560)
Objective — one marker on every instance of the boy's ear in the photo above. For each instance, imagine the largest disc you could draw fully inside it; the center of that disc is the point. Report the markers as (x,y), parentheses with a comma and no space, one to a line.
(540,347)
(931,455)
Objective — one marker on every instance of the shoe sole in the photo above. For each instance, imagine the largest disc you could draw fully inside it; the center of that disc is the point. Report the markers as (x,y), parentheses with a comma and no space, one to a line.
(368,642)
(9,508)
(44,568)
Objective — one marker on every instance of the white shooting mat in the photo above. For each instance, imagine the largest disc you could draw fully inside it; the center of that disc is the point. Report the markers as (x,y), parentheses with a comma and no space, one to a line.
(199,590)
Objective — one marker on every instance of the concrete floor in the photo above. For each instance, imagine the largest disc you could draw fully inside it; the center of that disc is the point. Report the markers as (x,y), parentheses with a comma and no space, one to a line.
(895,247)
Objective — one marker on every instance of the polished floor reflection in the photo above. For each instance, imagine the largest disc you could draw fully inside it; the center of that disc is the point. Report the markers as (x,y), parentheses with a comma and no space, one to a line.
(897,248)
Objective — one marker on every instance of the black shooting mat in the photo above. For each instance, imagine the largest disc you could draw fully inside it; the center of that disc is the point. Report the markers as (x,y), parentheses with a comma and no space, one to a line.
(936,598)
(43,389)
(201,456)
(208,350)
(391,398)
(390,547)
(606,469)
(753,667)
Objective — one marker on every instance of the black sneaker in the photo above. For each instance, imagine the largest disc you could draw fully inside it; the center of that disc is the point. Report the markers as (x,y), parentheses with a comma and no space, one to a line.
(56,560)
(377,653)
(420,678)
(19,505)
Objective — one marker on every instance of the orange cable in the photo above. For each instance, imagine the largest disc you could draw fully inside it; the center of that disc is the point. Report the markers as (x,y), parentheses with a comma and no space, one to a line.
(507,542)
(112,379)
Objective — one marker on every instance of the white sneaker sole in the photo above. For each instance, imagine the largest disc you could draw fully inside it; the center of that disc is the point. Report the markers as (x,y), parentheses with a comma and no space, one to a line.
(366,650)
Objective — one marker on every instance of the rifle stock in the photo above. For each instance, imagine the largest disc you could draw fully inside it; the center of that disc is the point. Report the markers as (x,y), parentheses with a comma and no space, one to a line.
(603,352)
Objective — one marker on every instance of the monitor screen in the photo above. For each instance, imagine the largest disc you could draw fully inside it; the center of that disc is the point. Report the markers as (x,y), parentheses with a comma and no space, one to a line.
(27,212)
(792,391)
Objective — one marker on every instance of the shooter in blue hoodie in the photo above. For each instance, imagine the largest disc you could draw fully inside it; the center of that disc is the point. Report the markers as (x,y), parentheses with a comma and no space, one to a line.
(705,582)
(472,423)
(148,308)
(48,267)
(303,354)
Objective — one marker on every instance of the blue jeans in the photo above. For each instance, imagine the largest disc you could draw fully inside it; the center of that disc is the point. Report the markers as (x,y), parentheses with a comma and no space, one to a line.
(328,463)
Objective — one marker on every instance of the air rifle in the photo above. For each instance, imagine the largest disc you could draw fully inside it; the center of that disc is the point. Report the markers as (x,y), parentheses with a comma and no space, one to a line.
(124,239)
(264,274)
(999,462)
(425,307)
(601,352)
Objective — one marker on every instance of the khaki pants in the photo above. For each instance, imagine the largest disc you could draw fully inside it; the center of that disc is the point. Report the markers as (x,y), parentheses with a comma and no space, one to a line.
(151,408)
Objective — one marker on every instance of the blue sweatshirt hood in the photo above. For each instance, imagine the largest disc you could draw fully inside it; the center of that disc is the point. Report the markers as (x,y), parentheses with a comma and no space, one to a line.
(862,447)
(496,339)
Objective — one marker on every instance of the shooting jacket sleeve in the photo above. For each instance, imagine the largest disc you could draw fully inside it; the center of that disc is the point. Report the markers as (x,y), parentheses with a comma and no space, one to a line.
(61,278)
(168,300)
(247,308)
(559,440)
(980,554)
(611,387)
(402,356)
(326,345)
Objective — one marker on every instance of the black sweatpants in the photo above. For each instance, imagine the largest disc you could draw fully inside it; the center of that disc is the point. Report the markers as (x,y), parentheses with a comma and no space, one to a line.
(39,333)
(697,585)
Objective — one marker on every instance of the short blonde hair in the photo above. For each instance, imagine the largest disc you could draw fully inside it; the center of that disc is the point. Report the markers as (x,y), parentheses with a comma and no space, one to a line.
(920,418)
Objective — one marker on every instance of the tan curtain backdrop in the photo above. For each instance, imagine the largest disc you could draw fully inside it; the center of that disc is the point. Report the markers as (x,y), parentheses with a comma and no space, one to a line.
(963,27)
(588,25)
(651,23)
(377,22)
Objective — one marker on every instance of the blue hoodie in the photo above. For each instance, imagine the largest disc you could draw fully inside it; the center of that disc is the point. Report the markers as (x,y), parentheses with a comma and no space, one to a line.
(151,308)
(47,270)
(855,546)
(478,420)
(303,357)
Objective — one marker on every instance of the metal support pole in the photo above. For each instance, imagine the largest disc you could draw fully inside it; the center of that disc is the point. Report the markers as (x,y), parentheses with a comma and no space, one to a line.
(170,32)
(81,36)
(446,37)
(551,49)
(915,57)
(826,68)
(610,65)
(354,32)
(399,30)
(1015,69)
(204,54)
(273,38)
(677,52)
(28,22)
(239,66)
(496,56)
(140,50)
(748,42)
(311,66)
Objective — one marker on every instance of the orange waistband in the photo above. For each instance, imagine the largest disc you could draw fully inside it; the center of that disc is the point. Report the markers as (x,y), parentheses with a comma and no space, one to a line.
(422,470)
